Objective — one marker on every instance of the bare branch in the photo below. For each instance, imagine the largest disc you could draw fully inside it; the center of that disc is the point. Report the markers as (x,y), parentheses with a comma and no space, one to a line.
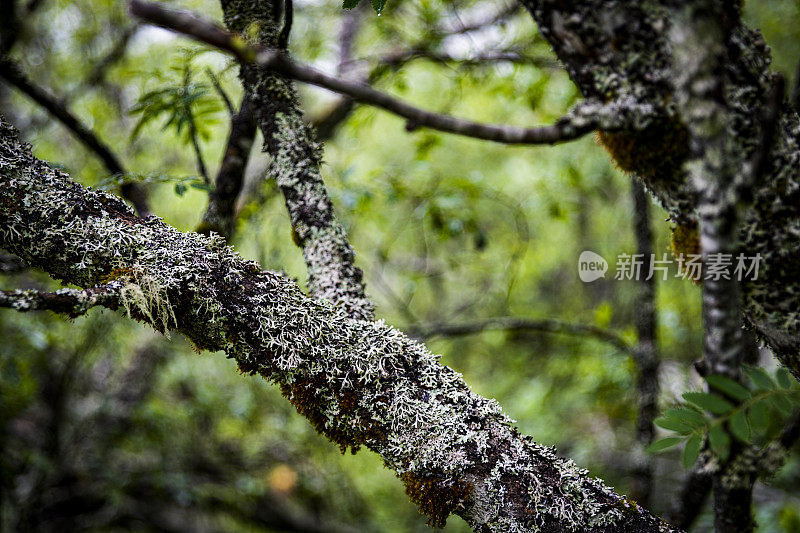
(547,325)
(220,216)
(132,191)
(583,119)
(220,91)
(646,351)
(288,15)
(478,23)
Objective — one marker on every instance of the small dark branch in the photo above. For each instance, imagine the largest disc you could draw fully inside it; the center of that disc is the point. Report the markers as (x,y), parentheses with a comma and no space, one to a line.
(583,119)
(796,91)
(201,166)
(72,302)
(288,15)
(113,56)
(326,124)
(646,350)
(220,216)
(11,264)
(791,432)
(398,58)
(459,27)
(347,36)
(221,91)
(9,26)
(691,499)
(520,324)
(12,74)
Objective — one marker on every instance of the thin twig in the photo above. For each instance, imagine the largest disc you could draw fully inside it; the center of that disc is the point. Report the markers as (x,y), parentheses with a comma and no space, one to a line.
(220,91)
(288,15)
(520,324)
(584,119)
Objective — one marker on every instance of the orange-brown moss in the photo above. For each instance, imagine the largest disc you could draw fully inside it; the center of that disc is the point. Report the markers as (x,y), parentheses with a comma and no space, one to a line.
(309,398)
(115,274)
(655,153)
(437,498)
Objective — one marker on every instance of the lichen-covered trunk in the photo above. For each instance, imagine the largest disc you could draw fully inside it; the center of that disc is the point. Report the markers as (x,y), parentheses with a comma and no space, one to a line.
(622,49)
(360,383)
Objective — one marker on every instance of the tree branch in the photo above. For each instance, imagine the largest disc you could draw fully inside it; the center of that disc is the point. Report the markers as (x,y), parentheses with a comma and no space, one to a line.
(72,302)
(132,191)
(429,331)
(605,60)
(646,351)
(584,118)
(360,383)
(220,216)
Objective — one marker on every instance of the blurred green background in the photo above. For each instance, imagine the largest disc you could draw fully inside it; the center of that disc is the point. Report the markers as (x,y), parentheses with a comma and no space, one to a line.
(106,425)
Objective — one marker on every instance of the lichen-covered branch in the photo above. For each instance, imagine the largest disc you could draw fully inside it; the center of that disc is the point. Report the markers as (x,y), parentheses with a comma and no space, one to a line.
(295,164)
(220,215)
(134,192)
(586,117)
(622,49)
(359,382)
(520,324)
(72,302)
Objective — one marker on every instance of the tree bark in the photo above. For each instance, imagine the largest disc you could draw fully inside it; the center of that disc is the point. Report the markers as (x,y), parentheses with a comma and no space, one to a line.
(621,49)
(360,383)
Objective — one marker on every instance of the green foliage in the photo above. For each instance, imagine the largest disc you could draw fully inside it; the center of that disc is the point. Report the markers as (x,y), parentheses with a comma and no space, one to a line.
(377,5)
(190,106)
(751,414)
(180,183)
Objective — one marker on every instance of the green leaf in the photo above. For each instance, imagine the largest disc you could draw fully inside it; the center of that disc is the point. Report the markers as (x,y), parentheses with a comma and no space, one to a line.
(709,402)
(664,444)
(760,378)
(687,415)
(739,426)
(201,186)
(728,386)
(673,425)
(692,450)
(785,378)
(377,5)
(759,416)
(781,403)
(350,4)
(720,441)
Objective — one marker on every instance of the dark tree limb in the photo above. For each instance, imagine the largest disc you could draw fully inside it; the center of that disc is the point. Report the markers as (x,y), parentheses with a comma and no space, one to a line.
(646,351)
(220,216)
(359,382)
(583,119)
(429,331)
(134,192)
(691,498)
(602,46)
(72,302)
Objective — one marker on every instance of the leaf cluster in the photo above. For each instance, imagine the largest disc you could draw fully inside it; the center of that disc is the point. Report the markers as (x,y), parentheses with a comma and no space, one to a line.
(752,413)
(190,106)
